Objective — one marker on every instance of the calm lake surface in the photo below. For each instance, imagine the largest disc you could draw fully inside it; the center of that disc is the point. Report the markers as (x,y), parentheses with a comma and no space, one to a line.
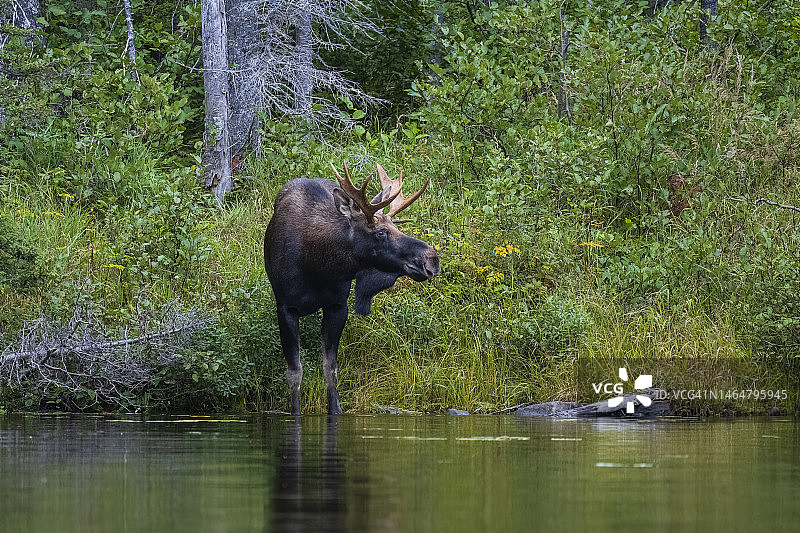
(396,473)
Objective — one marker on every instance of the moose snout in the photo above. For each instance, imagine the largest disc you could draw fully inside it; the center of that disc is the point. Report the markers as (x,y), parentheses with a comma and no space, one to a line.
(431,265)
(424,266)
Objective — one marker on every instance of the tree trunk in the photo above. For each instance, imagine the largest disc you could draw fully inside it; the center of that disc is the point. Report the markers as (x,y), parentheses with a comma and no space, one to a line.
(563,98)
(436,46)
(23,14)
(129,44)
(216,139)
(244,39)
(304,81)
(709,10)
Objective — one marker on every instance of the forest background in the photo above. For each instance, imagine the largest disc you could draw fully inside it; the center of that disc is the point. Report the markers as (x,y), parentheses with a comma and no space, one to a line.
(612,184)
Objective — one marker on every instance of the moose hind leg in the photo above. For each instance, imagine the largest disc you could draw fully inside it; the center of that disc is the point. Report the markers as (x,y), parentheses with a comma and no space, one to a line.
(288,323)
(333,320)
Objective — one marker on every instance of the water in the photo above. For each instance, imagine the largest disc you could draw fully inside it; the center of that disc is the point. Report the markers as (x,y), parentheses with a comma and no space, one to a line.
(396,473)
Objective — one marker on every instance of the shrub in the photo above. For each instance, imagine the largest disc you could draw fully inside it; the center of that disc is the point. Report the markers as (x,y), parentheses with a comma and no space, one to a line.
(21,265)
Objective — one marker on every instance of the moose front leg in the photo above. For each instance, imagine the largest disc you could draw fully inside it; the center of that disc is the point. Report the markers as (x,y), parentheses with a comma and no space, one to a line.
(288,323)
(333,320)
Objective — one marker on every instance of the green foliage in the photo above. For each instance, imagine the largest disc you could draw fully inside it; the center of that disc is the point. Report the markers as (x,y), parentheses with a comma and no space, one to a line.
(254,324)
(96,132)
(209,377)
(29,75)
(563,324)
(289,148)
(21,265)
(388,63)
(74,102)
(640,97)
(157,236)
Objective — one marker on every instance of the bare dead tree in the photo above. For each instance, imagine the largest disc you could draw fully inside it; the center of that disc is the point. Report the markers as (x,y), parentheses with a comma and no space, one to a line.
(244,36)
(129,46)
(23,14)
(303,35)
(283,72)
(216,86)
(263,57)
(437,50)
(80,358)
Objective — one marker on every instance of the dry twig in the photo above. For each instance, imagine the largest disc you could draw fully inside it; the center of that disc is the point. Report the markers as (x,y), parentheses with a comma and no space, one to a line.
(763,200)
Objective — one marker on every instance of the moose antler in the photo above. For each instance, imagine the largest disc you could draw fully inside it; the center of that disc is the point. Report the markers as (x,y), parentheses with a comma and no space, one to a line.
(359,194)
(399,202)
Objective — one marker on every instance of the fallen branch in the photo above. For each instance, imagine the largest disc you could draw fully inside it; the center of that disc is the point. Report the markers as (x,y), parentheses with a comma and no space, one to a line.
(512,408)
(763,200)
(103,346)
(79,362)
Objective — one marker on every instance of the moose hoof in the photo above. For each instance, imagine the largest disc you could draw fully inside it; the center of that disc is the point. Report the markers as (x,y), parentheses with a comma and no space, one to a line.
(295,405)
(334,408)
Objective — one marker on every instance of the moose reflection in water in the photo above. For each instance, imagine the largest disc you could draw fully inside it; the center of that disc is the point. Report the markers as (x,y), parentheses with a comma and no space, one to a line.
(320,238)
(309,492)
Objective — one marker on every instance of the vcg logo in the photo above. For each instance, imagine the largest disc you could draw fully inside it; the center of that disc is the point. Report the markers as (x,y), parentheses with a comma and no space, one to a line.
(644,381)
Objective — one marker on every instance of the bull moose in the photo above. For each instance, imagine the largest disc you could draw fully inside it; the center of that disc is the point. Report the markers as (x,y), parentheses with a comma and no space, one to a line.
(321,237)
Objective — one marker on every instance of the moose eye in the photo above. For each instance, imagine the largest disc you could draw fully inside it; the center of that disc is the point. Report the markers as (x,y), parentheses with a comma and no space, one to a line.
(381,233)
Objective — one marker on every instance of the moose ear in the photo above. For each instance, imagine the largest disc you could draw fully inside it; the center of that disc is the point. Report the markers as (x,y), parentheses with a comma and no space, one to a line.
(369,283)
(344,204)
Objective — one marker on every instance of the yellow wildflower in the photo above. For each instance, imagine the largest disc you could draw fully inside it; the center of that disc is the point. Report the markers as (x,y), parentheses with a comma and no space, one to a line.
(495,277)
(56,213)
(506,250)
(65,195)
(111,265)
(592,244)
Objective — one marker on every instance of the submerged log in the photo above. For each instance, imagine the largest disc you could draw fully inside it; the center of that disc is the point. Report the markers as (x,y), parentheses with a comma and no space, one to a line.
(546,409)
(617,409)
